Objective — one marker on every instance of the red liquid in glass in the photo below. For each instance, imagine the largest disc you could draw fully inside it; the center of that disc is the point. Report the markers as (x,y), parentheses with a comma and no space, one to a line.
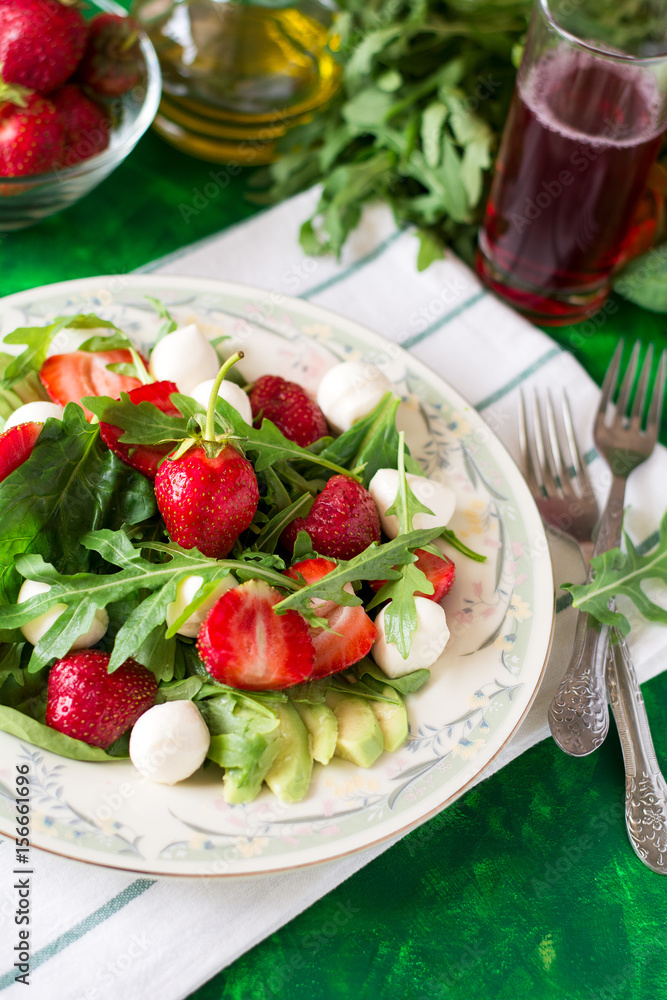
(577,148)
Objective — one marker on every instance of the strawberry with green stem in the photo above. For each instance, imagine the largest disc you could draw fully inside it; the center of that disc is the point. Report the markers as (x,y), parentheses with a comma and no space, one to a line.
(207,490)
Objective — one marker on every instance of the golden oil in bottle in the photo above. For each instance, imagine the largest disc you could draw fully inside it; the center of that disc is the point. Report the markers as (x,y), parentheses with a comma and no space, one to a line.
(236,76)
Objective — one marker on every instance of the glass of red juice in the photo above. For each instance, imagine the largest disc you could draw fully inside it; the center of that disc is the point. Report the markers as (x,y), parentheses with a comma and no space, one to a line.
(586,122)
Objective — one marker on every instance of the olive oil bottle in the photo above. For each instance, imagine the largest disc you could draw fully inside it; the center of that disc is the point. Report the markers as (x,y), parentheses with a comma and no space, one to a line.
(236,76)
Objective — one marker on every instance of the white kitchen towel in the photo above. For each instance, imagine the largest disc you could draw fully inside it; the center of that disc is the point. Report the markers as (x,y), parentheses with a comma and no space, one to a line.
(99,934)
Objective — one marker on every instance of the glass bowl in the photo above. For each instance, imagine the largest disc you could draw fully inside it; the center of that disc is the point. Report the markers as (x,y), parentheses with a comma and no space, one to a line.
(24,201)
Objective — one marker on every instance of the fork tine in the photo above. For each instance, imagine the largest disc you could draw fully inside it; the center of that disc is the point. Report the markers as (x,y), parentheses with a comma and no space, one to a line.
(548,480)
(628,381)
(610,381)
(560,467)
(578,464)
(657,400)
(526,455)
(639,404)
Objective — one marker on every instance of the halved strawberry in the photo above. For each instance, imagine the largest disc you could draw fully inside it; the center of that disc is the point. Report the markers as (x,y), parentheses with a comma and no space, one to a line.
(16,446)
(439,570)
(353,632)
(245,644)
(69,377)
(145,458)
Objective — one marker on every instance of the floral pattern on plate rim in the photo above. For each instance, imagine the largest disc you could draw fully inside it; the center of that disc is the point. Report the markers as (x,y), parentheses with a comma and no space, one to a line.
(439,750)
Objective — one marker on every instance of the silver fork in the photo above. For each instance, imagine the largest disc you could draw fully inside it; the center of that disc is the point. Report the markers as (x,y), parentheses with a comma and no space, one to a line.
(578,714)
(574,513)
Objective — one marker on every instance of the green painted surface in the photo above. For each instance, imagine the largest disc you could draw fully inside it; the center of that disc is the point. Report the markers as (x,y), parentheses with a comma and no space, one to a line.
(526,887)
(157,200)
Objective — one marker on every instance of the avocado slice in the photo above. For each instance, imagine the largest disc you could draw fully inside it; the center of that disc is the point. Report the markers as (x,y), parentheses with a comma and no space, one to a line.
(359,734)
(322,728)
(289,775)
(392,717)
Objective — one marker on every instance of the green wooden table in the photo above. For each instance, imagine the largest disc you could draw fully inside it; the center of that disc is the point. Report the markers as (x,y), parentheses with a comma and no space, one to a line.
(524,888)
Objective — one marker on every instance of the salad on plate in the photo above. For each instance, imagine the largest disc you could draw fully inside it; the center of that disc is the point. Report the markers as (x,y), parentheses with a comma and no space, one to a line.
(199,571)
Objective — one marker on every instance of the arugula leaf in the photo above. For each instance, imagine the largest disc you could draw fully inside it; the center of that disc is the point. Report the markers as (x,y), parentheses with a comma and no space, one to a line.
(74,621)
(643,280)
(303,548)
(143,423)
(312,692)
(430,249)
(377,562)
(371,443)
(40,735)
(10,663)
(83,592)
(343,685)
(268,443)
(450,536)
(158,653)
(376,679)
(110,342)
(200,597)
(424,94)
(29,390)
(70,484)
(269,536)
(618,574)
(169,324)
(38,339)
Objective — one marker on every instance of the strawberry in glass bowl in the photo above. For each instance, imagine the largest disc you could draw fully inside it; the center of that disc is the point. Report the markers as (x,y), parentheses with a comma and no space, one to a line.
(79,87)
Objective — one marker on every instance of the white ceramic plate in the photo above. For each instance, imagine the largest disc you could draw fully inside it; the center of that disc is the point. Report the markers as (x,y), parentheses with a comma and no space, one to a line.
(500,614)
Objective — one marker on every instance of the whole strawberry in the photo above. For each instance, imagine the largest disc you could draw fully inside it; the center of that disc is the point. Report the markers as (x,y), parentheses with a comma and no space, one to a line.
(342,522)
(207,499)
(144,458)
(113,62)
(32,136)
(41,42)
(207,491)
(90,704)
(87,128)
(288,406)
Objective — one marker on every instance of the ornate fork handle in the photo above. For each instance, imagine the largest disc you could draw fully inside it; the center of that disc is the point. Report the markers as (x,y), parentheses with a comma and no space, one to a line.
(578,714)
(645,787)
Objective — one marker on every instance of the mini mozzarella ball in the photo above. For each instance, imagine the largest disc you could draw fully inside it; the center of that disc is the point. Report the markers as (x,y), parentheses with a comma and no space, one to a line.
(383,487)
(428,641)
(34,412)
(229,391)
(350,391)
(185,594)
(169,742)
(185,357)
(37,627)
